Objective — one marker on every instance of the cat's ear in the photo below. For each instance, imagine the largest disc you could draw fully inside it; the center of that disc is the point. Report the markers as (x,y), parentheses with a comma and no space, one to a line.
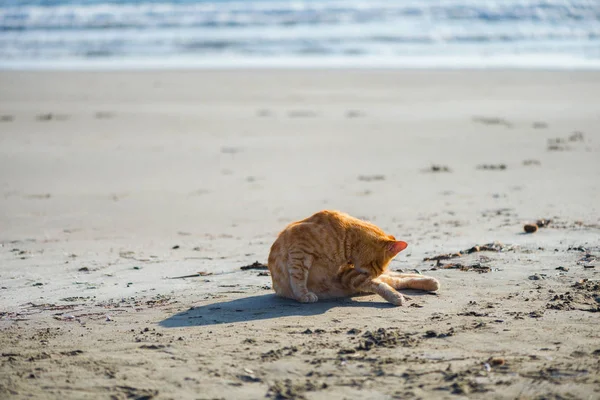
(397,246)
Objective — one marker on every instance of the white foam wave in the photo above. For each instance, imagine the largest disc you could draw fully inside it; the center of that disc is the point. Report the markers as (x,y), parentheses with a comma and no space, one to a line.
(473,32)
(260,13)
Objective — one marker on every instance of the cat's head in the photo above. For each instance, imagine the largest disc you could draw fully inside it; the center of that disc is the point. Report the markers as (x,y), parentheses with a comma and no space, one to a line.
(377,253)
(390,248)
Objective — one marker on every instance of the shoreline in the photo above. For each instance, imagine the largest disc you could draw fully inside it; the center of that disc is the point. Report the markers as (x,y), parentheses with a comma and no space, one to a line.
(516,62)
(367,69)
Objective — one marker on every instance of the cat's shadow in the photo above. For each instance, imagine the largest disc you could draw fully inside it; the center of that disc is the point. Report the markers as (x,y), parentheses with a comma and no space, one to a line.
(261,307)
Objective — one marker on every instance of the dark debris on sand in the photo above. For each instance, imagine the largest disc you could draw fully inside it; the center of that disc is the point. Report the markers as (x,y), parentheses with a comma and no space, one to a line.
(440,168)
(492,166)
(255,265)
(530,162)
(284,390)
(477,267)
(561,144)
(273,355)
(583,296)
(492,121)
(540,223)
(385,338)
(494,246)
(371,178)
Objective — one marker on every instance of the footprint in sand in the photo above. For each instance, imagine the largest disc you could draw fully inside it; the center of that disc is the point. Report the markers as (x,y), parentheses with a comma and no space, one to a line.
(560,144)
(41,196)
(492,121)
(576,136)
(118,196)
(104,115)
(302,114)
(51,116)
(231,150)
(492,166)
(200,192)
(264,113)
(557,144)
(371,178)
(354,114)
(438,168)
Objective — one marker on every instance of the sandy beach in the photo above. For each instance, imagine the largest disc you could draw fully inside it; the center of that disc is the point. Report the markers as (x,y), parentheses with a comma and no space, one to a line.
(130,201)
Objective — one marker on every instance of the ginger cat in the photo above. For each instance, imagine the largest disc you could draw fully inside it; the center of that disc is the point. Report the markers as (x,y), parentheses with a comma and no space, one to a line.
(332,254)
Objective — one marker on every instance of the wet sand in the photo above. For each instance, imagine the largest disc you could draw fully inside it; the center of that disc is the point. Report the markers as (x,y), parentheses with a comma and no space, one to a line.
(130,201)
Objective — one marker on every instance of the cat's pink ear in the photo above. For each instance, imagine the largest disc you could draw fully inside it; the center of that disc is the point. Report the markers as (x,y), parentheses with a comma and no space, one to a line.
(397,246)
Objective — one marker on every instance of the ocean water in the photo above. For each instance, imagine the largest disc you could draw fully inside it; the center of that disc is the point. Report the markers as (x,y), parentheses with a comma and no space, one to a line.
(300,33)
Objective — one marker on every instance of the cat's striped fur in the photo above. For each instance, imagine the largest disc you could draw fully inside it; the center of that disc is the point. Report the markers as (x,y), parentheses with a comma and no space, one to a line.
(331,254)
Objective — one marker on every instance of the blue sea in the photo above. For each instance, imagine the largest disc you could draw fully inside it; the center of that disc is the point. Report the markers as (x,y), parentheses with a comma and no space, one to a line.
(81,34)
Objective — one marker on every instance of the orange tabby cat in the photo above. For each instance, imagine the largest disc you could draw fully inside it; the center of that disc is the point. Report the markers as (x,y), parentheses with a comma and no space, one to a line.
(332,254)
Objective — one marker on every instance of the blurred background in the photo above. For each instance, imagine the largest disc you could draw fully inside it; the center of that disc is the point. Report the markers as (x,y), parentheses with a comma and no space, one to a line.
(299,33)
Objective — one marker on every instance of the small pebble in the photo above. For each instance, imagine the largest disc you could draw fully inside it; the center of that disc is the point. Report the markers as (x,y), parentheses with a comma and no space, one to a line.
(473,249)
(530,228)
(497,361)
(542,223)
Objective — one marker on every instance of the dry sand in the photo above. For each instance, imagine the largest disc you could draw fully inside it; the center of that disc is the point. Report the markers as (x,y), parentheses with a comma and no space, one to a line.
(113,182)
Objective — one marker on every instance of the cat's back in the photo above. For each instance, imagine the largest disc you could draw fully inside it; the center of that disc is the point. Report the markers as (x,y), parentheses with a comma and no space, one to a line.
(324,222)
(323,229)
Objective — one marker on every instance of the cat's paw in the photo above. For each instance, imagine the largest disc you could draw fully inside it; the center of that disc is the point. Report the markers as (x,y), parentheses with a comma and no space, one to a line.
(308,298)
(398,300)
(432,285)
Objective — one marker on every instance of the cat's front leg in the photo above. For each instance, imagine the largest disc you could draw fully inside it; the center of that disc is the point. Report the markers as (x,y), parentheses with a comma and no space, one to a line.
(298,269)
(385,291)
(357,282)
(410,281)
